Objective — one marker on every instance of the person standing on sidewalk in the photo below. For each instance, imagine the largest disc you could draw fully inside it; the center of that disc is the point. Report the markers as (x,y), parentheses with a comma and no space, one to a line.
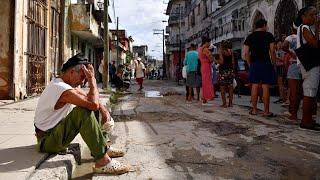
(258,47)
(294,75)
(308,17)
(280,71)
(206,60)
(140,73)
(226,73)
(193,77)
(64,111)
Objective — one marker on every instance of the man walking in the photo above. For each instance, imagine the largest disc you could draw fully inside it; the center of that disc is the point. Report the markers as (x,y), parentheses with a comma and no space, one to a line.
(193,77)
(64,110)
(258,47)
(140,73)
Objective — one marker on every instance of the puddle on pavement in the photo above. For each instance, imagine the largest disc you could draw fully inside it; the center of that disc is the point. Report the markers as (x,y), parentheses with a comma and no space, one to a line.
(153,94)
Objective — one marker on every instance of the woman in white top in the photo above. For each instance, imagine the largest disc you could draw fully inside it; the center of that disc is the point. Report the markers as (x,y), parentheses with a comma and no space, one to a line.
(308,17)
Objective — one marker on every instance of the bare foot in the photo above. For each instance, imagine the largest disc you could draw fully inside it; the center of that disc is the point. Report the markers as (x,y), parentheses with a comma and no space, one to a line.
(223,106)
(103,161)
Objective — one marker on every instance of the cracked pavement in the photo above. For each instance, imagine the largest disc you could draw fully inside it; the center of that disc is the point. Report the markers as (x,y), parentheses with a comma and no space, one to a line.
(167,138)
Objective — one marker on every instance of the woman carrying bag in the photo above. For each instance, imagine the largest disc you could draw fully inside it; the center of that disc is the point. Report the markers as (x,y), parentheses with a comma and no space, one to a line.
(309,60)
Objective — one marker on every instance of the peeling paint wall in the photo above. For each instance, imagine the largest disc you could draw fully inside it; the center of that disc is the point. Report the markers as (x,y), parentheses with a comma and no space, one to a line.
(67,53)
(6,30)
(80,18)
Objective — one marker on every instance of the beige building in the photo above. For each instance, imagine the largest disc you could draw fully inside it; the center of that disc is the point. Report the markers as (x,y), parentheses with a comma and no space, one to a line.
(37,36)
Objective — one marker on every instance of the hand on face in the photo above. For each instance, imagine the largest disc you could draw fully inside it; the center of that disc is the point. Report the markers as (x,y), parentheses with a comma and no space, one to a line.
(88,71)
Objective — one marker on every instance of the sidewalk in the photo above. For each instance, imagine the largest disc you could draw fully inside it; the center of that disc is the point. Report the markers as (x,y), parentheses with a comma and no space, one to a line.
(18,156)
(275,108)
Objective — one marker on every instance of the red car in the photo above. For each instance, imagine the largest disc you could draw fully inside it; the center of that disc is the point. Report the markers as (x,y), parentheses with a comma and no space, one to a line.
(242,75)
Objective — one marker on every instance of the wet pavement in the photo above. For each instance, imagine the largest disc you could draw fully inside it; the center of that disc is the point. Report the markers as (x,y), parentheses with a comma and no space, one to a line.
(167,138)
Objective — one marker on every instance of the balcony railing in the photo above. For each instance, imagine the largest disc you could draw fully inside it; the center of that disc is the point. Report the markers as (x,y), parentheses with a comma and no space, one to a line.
(233,29)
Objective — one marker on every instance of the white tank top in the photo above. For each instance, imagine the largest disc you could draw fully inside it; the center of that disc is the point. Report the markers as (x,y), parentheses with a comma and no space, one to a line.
(46,117)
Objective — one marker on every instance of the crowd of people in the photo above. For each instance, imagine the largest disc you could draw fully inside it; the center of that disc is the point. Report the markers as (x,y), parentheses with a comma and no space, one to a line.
(291,62)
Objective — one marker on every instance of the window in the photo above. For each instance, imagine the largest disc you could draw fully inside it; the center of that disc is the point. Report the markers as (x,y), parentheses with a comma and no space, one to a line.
(193,19)
(221,2)
(205,8)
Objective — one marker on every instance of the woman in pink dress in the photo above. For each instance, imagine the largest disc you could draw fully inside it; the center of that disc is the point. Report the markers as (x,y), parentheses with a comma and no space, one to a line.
(206,60)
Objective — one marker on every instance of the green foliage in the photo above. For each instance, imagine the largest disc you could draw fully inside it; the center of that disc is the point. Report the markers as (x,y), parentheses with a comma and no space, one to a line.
(129,57)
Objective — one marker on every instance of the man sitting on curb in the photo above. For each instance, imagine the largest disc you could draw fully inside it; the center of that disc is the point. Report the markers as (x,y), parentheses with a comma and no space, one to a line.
(64,110)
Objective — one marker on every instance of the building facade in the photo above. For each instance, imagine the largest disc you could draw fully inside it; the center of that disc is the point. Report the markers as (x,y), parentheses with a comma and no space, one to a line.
(38,36)
(175,41)
(121,50)
(141,51)
(232,20)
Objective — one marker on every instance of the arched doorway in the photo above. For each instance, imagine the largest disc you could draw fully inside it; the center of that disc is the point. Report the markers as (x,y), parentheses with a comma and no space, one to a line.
(285,15)
(257,15)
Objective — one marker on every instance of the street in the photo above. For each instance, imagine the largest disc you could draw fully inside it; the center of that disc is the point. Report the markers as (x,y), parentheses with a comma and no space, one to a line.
(167,138)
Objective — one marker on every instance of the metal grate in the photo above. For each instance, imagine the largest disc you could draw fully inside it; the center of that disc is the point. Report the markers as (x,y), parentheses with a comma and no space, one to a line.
(36,45)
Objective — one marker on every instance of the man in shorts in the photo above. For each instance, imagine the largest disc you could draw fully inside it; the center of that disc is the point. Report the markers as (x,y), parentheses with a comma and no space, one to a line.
(258,47)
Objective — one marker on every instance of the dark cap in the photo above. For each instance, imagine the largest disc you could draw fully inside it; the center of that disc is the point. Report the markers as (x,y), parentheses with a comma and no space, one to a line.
(75,60)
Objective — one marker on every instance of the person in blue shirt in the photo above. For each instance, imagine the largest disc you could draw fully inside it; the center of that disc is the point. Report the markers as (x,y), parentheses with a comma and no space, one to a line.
(193,76)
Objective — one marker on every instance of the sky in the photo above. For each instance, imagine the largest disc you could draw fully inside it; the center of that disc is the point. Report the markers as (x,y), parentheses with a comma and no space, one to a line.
(139,18)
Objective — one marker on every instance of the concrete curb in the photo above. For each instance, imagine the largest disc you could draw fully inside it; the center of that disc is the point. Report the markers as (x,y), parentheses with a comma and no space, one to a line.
(58,166)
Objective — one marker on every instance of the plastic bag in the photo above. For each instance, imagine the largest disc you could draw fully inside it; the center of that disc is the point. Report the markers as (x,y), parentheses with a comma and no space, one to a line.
(234,84)
(184,72)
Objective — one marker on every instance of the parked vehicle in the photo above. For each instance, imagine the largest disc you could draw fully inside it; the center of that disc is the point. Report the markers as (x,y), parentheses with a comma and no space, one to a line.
(242,74)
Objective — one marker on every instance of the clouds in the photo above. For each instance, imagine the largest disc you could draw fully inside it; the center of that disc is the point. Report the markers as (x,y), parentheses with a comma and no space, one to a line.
(139,18)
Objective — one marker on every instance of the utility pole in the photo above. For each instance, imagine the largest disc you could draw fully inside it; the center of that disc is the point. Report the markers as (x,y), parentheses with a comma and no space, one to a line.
(117,60)
(161,31)
(180,44)
(164,56)
(105,75)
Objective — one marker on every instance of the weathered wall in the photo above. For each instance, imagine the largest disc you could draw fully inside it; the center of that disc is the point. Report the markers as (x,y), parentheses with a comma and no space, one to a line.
(6,30)
(67,53)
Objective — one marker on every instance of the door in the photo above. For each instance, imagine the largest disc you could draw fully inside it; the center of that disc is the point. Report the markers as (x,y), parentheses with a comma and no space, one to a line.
(36,19)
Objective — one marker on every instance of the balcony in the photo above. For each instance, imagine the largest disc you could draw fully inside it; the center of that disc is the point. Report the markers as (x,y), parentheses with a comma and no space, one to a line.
(83,23)
(235,29)
(175,19)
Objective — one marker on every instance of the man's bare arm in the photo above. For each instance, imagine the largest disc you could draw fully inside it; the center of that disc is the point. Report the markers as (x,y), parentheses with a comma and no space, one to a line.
(273,53)
(246,54)
(104,113)
(93,94)
(72,96)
